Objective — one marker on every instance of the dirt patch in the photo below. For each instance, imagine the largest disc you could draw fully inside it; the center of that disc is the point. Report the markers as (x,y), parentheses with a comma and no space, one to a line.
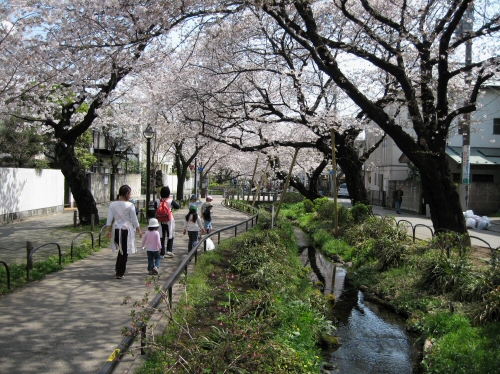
(480,256)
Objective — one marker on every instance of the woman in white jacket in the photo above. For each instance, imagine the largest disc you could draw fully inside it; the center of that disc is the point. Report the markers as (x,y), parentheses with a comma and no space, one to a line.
(122,215)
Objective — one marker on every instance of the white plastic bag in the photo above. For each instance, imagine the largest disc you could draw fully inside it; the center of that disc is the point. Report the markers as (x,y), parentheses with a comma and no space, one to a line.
(470,223)
(484,223)
(210,244)
(469,214)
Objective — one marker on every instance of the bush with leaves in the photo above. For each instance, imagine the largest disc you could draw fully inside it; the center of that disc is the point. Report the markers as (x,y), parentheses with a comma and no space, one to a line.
(389,253)
(308,206)
(292,197)
(442,274)
(360,212)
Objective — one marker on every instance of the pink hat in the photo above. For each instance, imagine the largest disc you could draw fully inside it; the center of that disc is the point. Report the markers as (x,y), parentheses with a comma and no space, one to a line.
(210,197)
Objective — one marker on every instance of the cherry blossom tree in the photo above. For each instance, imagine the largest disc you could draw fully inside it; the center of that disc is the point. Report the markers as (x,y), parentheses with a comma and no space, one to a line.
(417,48)
(73,55)
(264,93)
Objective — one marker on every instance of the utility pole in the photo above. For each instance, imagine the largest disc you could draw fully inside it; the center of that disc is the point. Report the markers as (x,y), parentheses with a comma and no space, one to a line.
(466,27)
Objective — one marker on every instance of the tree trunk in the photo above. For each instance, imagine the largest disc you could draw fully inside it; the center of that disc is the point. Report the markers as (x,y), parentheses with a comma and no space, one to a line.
(181,179)
(442,197)
(77,181)
(353,171)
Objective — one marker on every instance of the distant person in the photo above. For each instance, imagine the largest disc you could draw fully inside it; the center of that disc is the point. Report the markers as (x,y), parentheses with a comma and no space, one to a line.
(167,229)
(207,217)
(122,215)
(192,226)
(151,243)
(193,201)
(398,198)
(209,199)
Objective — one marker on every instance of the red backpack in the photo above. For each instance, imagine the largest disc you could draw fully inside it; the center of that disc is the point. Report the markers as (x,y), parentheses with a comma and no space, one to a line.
(163,213)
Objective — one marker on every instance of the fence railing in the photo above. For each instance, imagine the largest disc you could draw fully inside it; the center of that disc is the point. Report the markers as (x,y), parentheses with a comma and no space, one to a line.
(495,252)
(182,269)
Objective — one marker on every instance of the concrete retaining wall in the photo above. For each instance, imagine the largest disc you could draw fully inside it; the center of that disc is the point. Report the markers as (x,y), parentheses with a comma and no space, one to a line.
(28,192)
(484,198)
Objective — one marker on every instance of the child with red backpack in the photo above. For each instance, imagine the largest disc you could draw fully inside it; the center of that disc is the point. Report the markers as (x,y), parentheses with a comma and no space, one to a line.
(166,219)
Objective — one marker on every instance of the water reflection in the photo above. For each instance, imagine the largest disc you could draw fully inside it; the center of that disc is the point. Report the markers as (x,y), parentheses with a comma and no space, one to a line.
(373,340)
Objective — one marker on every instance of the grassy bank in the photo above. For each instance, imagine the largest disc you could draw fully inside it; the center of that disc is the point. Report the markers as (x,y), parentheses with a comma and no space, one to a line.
(450,294)
(248,308)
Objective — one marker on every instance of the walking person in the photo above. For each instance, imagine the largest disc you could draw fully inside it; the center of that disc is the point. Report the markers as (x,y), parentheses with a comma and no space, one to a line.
(192,226)
(207,217)
(122,217)
(398,198)
(167,229)
(151,242)
(204,205)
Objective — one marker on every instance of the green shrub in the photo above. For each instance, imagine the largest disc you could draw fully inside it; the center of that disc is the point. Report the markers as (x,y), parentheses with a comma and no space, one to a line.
(325,211)
(489,309)
(308,206)
(374,227)
(320,201)
(360,212)
(338,247)
(345,218)
(436,325)
(320,237)
(465,350)
(442,274)
(390,253)
(292,197)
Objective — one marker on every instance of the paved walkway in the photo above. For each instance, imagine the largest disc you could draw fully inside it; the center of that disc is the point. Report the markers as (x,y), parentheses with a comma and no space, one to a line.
(491,235)
(71,321)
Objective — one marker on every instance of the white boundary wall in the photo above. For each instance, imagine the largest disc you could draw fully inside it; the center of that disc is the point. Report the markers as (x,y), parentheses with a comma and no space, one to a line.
(28,192)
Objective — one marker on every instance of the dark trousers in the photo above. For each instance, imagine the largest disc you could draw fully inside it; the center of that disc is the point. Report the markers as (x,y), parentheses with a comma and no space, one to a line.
(121,260)
(164,238)
(193,239)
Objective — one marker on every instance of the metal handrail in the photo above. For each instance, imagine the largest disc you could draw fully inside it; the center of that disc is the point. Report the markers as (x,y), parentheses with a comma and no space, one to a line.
(421,225)
(118,352)
(73,241)
(100,234)
(36,249)
(8,272)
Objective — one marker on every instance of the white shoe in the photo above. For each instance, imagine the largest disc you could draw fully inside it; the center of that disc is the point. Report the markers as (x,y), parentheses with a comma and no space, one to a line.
(169,254)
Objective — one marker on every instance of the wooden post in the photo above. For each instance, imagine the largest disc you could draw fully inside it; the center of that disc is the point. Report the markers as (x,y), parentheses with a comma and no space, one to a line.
(287,181)
(253,178)
(259,187)
(75,218)
(334,166)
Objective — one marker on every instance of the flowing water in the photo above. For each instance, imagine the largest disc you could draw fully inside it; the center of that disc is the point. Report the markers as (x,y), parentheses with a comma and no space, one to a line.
(372,339)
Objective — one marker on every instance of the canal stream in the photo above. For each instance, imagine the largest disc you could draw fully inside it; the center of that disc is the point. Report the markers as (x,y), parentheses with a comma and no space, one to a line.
(372,339)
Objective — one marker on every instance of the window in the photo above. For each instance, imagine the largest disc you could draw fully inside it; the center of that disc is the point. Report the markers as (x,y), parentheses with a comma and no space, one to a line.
(496,126)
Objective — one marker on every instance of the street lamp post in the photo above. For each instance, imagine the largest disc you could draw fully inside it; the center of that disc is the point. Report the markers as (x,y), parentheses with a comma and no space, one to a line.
(148,134)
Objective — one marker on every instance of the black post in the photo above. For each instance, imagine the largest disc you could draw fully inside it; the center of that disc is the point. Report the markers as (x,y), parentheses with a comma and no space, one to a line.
(196,176)
(148,171)
(29,248)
